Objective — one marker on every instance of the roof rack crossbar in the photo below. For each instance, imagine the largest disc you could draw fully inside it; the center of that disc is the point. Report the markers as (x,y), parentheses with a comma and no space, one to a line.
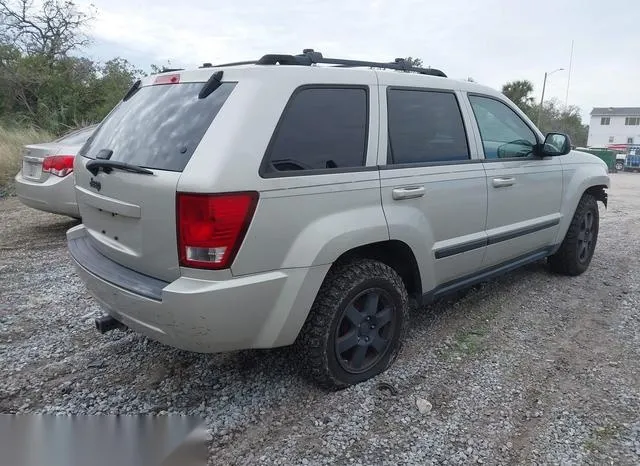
(237,63)
(311,57)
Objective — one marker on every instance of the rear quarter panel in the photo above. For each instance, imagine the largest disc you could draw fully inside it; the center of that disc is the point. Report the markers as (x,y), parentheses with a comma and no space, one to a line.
(300,221)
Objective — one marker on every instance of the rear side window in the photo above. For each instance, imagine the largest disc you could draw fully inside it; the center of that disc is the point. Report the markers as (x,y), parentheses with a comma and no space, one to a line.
(321,128)
(425,126)
(159,127)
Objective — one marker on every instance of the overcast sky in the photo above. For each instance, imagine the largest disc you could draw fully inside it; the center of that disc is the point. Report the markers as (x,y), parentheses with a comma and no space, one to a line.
(493,41)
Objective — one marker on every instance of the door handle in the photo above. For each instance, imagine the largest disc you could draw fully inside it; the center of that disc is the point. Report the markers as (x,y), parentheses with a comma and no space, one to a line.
(503,182)
(408,192)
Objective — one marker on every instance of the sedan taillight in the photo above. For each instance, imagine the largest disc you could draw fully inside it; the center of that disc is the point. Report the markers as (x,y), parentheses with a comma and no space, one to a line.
(211,227)
(58,165)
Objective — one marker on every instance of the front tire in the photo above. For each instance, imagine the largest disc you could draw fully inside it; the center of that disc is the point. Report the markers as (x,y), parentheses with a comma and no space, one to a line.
(576,250)
(356,325)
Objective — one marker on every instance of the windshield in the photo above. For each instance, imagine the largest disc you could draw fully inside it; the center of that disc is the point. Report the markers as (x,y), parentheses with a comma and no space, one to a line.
(159,127)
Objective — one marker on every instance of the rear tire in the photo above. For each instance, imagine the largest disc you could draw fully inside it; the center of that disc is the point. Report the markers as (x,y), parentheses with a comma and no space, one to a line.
(356,325)
(576,250)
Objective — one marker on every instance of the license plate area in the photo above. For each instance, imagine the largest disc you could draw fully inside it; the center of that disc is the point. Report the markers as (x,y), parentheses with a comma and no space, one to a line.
(32,170)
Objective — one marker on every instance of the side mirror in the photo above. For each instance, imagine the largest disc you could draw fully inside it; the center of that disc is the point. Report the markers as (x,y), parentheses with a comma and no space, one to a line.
(556,144)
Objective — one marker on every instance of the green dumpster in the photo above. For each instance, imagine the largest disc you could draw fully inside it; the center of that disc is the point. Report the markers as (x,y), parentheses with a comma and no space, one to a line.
(606,155)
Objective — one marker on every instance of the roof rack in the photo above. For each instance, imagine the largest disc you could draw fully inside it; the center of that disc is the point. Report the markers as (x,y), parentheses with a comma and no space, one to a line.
(169,70)
(311,57)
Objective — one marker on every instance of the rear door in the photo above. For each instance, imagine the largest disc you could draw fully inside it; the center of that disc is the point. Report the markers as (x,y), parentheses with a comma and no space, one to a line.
(524,190)
(131,216)
(434,190)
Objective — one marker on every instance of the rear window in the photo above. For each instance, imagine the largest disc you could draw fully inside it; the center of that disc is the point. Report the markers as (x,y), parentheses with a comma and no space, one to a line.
(159,126)
(78,137)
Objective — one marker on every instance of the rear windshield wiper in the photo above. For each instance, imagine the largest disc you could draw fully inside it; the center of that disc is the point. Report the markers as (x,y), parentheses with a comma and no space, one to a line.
(107,166)
(214,82)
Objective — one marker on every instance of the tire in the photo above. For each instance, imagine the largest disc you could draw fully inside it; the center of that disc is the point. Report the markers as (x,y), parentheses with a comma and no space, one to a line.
(576,250)
(346,313)
(619,166)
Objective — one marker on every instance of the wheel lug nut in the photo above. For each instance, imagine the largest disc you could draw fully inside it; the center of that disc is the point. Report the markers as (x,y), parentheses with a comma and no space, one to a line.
(372,327)
(366,338)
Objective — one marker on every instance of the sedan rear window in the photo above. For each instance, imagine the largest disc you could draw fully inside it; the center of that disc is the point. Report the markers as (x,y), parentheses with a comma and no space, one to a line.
(77,137)
(159,127)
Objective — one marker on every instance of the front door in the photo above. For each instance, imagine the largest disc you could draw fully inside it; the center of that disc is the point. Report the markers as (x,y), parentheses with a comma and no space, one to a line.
(524,190)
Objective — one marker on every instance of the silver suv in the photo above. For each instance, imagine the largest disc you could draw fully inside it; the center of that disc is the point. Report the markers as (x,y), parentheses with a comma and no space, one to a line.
(302,199)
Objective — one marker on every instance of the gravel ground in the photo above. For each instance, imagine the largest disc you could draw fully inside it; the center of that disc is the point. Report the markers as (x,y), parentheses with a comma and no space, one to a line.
(531,368)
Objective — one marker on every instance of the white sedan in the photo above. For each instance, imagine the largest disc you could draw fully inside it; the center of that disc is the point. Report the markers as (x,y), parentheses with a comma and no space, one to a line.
(46,181)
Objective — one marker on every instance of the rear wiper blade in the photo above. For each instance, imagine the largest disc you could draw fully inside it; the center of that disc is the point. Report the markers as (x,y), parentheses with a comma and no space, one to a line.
(107,166)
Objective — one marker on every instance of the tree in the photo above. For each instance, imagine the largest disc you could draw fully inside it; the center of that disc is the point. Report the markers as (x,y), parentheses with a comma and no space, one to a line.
(41,83)
(519,92)
(51,28)
(557,118)
(417,62)
(554,117)
(115,77)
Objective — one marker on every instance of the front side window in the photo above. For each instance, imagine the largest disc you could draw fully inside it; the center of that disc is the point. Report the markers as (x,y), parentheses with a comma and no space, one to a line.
(321,128)
(425,126)
(605,121)
(504,134)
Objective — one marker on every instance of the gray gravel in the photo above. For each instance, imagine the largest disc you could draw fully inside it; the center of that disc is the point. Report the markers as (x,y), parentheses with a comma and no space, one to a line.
(532,368)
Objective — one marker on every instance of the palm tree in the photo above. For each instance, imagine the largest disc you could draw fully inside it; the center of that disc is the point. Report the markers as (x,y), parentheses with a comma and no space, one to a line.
(417,62)
(519,92)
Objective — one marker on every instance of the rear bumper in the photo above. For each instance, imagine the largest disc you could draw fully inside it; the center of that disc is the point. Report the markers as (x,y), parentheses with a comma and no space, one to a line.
(55,194)
(254,311)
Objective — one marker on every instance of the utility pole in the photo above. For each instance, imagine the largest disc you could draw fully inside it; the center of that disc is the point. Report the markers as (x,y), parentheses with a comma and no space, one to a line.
(566,97)
(544,86)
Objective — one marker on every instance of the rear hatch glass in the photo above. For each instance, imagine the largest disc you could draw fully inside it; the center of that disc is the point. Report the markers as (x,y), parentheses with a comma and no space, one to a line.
(130,216)
(159,126)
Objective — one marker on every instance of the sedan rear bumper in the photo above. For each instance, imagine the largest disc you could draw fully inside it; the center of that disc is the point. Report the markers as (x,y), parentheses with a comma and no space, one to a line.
(55,195)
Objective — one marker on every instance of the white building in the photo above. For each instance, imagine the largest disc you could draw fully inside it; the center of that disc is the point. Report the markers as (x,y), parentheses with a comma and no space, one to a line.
(614,125)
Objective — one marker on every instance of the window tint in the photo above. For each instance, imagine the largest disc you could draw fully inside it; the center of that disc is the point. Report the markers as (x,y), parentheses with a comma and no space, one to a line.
(159,126)
(425,126)
(503,133)
(321,128)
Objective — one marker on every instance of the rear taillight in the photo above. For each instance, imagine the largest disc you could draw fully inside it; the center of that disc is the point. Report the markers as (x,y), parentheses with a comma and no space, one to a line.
(211,227)
(59,165)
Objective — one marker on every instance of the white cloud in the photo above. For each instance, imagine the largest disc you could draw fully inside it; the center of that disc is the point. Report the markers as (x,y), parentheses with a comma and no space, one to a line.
(493,41)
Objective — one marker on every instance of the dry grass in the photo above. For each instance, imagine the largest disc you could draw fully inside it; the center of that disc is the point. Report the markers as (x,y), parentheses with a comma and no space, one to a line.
(11,143)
